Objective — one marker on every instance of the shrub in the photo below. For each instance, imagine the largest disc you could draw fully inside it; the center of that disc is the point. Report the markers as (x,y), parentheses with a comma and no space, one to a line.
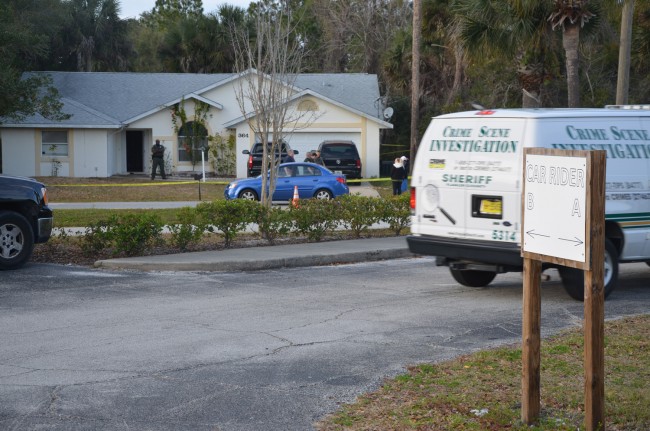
(397,213)
(189,230)
(98,236)
(133,233)
(358,213)
(228,216)
(315,217)
(273,222)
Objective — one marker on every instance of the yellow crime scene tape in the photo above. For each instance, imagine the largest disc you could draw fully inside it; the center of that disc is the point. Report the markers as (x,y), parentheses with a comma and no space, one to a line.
(174,183)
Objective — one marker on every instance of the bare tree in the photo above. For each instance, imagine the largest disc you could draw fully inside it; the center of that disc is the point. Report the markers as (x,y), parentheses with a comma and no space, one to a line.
(358,32)
(268,63)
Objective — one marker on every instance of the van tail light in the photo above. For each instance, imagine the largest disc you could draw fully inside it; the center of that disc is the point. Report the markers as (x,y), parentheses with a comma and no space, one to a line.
(358,163)
(412,200)
(250,161)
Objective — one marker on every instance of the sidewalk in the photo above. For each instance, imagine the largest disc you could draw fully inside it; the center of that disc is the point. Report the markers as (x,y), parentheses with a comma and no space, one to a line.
(269,257)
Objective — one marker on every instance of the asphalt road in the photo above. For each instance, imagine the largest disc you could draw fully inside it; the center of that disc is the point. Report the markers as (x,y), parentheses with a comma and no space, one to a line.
(84,349)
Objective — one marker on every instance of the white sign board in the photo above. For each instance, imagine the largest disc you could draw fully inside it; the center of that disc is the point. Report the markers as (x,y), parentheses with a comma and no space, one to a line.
(555,194)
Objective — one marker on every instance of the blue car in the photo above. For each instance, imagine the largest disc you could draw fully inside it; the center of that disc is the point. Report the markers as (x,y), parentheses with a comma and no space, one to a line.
(313,181)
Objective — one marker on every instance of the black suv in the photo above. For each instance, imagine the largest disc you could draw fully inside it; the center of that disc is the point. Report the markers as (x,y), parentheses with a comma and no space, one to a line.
(25,219)
(341,156)
(254,165)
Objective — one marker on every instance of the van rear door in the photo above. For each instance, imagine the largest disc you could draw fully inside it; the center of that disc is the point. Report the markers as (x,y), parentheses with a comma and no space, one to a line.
(468,177)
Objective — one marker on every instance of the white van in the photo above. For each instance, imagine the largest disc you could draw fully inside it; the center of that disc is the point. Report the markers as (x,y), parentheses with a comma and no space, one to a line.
(466,187)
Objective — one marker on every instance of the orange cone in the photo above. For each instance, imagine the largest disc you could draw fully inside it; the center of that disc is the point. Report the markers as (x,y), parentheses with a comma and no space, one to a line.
(296,197)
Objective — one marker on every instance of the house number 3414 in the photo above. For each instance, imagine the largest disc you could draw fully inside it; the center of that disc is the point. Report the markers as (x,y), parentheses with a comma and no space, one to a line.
(242,135)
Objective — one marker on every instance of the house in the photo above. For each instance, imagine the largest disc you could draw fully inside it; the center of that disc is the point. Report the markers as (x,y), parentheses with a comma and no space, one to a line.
(116,117)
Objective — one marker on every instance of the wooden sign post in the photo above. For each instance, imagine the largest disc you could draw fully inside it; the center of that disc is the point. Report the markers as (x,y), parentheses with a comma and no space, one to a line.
(563,223)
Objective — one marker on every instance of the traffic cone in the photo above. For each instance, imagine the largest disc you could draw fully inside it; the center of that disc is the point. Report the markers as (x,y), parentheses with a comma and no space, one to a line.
(296,197)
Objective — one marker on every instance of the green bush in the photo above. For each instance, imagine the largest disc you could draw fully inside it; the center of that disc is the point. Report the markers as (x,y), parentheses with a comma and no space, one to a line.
(315,217)
(273,223)
(133,233)
(228,216)
(98,236)
(189,230)
(397,213)
(358,213)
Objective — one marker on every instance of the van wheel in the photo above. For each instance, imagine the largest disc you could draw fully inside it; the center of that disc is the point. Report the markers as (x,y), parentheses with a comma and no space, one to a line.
(16,240)
(472,278)
(573,279)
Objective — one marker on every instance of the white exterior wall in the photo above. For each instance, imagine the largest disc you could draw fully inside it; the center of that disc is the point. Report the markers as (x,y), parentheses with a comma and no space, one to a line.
(116,156)
(371,155)
(244,140)
(89,156)
(18,152)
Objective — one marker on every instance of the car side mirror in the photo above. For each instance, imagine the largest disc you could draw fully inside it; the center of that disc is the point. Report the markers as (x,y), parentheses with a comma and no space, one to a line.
(245,152)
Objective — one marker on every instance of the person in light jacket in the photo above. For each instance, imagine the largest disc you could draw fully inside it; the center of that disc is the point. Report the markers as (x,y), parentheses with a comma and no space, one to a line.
(397,175)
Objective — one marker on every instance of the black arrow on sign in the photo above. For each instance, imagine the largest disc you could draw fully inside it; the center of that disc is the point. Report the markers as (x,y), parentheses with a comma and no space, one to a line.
(533,234)
(576,240)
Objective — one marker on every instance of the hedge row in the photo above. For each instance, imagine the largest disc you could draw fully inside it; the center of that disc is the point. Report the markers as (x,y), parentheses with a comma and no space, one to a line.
(132,234)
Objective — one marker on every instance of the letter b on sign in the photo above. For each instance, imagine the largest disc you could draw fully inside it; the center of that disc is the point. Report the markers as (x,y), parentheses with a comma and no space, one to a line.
(529,201)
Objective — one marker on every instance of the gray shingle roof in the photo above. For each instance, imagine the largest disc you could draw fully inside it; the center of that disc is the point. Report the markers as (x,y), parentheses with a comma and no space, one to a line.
(97,99)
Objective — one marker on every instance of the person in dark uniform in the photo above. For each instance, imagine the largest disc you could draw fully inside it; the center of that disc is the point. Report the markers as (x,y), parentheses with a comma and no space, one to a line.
(158,160)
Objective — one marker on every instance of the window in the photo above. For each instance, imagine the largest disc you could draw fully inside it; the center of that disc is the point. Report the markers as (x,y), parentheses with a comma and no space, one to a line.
(192,137)
(54,143)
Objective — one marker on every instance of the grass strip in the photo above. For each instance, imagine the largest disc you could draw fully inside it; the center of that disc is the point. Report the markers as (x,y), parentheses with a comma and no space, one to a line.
(482,391)
(86,217)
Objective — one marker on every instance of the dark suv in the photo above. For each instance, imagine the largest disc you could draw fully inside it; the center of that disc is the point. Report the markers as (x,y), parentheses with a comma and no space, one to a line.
(254,165)
(341,156)
(25,219)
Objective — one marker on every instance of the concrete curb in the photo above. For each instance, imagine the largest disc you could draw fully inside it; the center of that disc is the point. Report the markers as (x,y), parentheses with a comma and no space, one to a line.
(269,257)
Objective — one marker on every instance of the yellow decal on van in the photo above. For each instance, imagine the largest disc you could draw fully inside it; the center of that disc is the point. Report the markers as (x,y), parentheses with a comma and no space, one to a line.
(436,163)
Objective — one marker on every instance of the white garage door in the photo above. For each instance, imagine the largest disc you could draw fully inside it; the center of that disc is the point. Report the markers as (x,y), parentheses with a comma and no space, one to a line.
(304,142)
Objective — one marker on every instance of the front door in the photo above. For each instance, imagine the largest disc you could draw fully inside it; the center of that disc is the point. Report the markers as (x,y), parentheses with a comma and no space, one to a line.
(134,151)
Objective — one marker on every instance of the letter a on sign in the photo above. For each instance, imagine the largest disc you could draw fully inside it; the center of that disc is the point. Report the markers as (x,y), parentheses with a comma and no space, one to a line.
(576,208)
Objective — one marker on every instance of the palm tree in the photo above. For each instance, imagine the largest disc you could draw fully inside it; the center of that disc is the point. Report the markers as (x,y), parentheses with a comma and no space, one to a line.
(571,16)
(514,28)
(98,35)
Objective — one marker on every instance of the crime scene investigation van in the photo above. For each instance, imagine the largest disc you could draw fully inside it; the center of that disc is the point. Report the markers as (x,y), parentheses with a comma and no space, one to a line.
(467,178)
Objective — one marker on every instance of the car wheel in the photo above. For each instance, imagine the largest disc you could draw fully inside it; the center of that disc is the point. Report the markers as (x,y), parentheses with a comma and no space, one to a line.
(16,240)
(573,279)
(248,194)
(472,278)
(323,194)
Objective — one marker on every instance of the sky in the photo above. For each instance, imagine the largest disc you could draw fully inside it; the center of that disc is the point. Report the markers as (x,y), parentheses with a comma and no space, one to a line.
(133,8)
